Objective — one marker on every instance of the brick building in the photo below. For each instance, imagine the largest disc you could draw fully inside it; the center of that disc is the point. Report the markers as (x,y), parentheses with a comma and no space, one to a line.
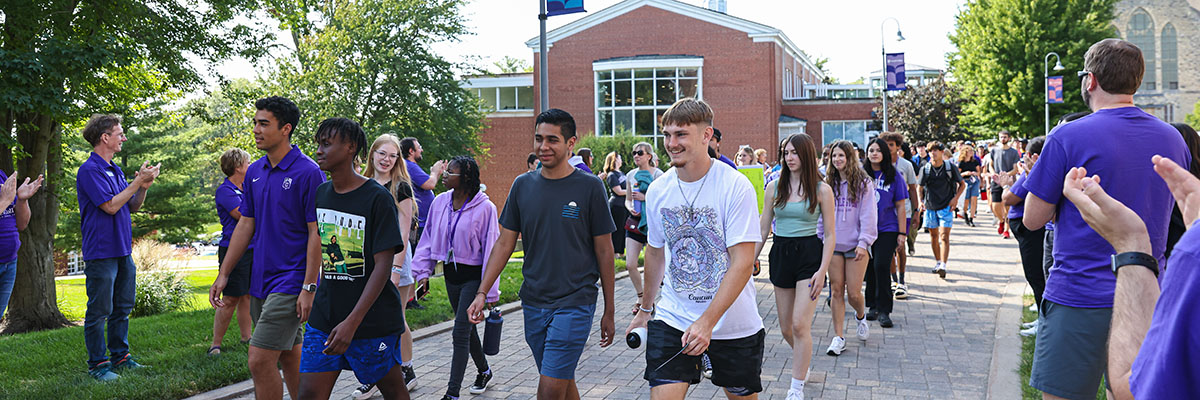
(618,69)
(1168,32)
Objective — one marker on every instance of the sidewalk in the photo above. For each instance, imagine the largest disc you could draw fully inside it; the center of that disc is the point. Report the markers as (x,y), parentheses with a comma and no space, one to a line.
(941,347)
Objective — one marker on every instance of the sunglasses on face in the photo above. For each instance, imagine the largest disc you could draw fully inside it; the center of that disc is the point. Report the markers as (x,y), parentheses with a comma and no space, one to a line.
(639,153)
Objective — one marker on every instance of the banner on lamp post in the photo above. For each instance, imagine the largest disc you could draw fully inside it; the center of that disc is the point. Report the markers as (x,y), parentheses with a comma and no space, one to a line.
(1054,90)
(895,71)
(560,7)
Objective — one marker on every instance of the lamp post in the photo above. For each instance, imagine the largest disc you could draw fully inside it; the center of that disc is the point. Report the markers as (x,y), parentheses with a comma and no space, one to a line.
(883,54)
(1046,80)
(543,74)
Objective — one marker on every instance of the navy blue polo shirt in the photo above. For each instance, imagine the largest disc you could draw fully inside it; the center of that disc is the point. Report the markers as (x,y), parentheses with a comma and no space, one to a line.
(104,235)
(282,199)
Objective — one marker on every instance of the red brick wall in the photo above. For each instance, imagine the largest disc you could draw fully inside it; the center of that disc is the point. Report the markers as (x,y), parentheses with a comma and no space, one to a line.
(509,141)
(741,79)
(816,111)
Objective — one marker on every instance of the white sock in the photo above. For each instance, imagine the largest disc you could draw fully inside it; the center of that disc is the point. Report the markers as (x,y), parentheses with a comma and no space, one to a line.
(406,363)
(798,384)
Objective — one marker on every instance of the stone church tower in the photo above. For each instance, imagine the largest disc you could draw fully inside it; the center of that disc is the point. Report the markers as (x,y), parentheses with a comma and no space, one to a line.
(1168,32)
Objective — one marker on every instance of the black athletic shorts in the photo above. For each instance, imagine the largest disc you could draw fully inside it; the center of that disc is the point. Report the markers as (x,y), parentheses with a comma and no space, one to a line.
(997,192)
(794,259)
(239,278)
(736,363)
(640,238)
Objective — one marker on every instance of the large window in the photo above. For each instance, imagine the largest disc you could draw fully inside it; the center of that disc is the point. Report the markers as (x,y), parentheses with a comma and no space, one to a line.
(1141,34)
(633,99)
(1170,58)
(506,98)
(854,131)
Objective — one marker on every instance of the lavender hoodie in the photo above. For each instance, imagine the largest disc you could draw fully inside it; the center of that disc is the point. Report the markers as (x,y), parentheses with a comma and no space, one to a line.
(856,222)
(476,232)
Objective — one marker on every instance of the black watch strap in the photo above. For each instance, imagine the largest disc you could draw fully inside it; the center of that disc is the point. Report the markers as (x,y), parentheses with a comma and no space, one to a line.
(1134,258)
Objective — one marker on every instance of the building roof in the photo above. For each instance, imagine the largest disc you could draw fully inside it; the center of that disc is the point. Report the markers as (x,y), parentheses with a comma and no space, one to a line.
(783,119)
(756,31)
(650,57)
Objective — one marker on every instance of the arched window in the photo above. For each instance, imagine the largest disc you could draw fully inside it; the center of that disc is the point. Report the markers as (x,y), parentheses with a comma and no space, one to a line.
(1141,34)
(1170,58)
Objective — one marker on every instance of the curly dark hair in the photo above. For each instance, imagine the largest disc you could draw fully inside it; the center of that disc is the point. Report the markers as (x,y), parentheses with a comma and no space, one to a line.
(469,174)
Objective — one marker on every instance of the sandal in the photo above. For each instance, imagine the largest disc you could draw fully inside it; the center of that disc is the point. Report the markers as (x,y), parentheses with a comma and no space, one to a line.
(757,268)
(214,351)
(637,306)
(246,341)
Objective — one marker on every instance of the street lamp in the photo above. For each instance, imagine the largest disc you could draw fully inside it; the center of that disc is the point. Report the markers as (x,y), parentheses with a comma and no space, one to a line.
(1046,80)
(883,54)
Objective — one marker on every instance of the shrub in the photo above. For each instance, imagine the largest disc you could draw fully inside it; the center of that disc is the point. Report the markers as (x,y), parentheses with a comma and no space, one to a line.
(622,143)
(160,287)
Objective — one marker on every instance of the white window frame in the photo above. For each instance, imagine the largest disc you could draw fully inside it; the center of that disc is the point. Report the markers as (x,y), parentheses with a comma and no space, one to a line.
(631,65)
(866,123)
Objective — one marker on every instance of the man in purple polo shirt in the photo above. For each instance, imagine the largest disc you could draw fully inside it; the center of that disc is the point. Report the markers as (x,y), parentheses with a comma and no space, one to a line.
(1115,143)
(1163,365)
(279,204)
(105,201)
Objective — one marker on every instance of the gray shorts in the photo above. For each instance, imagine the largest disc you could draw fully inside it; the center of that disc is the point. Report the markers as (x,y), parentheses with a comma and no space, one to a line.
(1071,352)
(1048,253)
(405,271)
(850,254)
(276,325)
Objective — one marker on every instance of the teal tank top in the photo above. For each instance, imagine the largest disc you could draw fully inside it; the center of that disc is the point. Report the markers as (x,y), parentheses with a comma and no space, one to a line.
(794,220)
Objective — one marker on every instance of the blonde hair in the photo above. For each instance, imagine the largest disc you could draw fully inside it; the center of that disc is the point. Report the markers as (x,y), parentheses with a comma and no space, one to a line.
(761,156)
(233,159)
(688,111)
(399,172)
(962,152)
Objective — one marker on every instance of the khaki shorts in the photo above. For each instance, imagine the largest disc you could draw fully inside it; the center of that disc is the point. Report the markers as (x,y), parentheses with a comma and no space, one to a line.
(276,326)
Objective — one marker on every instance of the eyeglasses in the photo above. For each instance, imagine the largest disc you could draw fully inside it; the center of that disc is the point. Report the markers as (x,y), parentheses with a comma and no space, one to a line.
(639,153)
(384,154)
(448,173)
(1083,73)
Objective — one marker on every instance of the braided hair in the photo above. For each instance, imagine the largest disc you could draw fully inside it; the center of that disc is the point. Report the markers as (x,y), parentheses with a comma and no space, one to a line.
(469,178)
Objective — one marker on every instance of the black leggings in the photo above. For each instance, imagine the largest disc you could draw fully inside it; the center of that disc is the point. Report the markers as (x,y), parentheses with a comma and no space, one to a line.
(1030,243)
(464,335)
(619,214)
(879,272)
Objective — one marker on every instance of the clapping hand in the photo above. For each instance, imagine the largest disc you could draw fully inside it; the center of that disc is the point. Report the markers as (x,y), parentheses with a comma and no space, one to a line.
(8,192)
(147,173)
(28,189)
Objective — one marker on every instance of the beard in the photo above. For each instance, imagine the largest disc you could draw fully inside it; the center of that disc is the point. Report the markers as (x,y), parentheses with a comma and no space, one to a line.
(1087,98)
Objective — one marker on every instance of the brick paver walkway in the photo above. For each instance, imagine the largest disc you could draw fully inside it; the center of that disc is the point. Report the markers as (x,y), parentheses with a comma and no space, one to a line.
(941,346)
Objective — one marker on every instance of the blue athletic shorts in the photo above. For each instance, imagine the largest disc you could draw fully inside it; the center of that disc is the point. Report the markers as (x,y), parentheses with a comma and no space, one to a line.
(943,218)
(557,337)
(370,359)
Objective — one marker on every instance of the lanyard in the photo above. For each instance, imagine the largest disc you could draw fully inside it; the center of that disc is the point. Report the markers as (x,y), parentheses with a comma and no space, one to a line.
(453,230)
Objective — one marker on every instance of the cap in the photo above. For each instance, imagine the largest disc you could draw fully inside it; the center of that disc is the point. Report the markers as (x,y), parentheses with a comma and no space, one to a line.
(717,134)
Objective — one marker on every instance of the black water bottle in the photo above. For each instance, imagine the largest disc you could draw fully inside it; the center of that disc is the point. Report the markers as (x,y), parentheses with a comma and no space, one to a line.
(491,332)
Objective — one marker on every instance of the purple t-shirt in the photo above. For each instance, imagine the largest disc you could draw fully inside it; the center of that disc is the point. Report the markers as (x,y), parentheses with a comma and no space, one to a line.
(726,160)
(10,239)
(228,198)
(886,197)
(1018,188)
(1116,145)
(424,197)
(104,235)
(1166,366)
(282,199)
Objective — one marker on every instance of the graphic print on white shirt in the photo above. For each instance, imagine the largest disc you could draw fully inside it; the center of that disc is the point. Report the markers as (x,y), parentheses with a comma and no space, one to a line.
(699,258)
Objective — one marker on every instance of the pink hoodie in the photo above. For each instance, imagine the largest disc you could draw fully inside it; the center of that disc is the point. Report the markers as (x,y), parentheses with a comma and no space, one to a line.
(476,232)
(856,222)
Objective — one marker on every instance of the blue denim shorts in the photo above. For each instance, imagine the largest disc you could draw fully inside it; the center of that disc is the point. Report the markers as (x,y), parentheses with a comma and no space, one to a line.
(943,218)
(370,359)
(972,187)
(557,337)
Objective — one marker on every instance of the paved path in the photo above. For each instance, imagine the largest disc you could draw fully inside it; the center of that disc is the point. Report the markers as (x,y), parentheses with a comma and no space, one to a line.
(941,347)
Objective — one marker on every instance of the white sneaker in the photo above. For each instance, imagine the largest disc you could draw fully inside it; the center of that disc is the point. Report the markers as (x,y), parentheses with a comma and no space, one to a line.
(1031,332)
(863,330)
(902,291)
(794,394)
(1029,324)
(837,346)
(1033,307)
(941,270)
(936,265)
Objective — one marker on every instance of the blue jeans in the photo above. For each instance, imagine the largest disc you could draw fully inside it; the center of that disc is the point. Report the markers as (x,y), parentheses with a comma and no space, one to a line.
(8,275)
(110,290)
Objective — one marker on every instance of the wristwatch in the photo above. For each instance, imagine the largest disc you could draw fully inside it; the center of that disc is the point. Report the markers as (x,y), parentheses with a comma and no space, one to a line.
(1135,258)
(309,287)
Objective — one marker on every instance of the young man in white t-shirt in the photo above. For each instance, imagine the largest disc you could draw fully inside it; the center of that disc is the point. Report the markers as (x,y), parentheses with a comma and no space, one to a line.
(701,235)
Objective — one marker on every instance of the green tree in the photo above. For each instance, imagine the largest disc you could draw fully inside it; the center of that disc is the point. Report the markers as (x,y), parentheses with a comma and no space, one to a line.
(1193,119)
(1001,45)
(373,63)
(61,60)
(928,112)
(510,65)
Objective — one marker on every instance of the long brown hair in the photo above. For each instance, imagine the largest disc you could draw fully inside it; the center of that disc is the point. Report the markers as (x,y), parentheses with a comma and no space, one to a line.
(856,175)
(810,180)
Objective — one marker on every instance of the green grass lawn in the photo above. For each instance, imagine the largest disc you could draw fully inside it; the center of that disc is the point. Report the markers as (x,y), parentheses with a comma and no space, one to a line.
(51,364)
(1027,344)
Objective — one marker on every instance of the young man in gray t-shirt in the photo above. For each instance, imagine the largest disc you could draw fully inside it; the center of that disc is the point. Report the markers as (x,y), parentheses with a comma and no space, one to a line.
(562,216)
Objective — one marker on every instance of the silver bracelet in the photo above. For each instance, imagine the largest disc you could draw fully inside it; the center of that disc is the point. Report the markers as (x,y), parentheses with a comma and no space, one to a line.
(651,310)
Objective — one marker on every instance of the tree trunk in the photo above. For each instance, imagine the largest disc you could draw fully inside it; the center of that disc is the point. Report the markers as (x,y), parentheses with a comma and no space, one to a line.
(34,304)
(6,153)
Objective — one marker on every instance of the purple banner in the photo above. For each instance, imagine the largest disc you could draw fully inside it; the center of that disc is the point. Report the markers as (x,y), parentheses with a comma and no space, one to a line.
(895,71)
(560,7)
(1054,90)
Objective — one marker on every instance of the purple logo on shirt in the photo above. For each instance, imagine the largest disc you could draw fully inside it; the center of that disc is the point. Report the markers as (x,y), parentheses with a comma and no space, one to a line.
(287,183)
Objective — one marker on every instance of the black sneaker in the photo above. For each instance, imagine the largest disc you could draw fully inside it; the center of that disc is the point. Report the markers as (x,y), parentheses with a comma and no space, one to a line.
(414,305)
(449,397)
(365,392)
(885,320)
(410,377)
(872,314)
(481,382)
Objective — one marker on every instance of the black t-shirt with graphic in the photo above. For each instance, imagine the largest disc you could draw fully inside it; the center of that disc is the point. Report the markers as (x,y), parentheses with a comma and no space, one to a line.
(940,184)
(363,221)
